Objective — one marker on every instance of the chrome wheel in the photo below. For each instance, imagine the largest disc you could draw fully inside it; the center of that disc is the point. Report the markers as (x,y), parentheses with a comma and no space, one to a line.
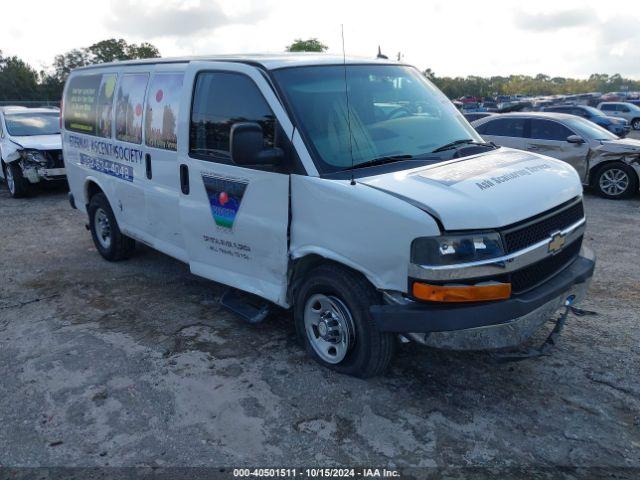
(103,228)
(8,176)
(329,327)
(614,182)
(636,124)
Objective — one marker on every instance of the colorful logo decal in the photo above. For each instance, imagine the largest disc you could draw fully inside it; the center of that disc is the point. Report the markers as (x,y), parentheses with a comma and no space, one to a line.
(225,197)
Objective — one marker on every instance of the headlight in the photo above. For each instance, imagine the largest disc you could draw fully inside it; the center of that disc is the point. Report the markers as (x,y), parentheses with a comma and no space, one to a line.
(453,249)
(33,156)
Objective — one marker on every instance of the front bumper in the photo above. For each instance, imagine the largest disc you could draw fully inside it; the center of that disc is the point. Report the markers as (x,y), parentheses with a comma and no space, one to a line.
(488,325)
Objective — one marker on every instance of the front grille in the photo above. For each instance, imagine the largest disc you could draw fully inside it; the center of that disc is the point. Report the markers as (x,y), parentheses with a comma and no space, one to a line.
(535,231)
(54,158)
(533,275)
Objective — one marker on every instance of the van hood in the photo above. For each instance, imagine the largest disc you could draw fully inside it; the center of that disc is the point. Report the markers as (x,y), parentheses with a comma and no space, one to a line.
(39,142)
(490,190)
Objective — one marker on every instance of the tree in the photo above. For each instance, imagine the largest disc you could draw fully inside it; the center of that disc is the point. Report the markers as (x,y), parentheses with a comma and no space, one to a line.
(63,64)
(310,45)
(118,49)
(18,81)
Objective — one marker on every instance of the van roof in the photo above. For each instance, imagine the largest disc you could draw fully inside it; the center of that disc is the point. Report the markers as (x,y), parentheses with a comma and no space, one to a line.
(267,61)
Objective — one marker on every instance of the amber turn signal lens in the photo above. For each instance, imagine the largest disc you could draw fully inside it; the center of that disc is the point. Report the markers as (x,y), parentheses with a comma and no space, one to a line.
(461,293)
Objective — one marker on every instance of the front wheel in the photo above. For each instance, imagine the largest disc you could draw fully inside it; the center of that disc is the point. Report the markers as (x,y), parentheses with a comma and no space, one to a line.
(616,181)
(635,124)
(108,239)
(331,311)
(16,183)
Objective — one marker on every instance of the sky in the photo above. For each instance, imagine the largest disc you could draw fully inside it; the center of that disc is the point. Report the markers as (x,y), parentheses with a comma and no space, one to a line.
(568,38)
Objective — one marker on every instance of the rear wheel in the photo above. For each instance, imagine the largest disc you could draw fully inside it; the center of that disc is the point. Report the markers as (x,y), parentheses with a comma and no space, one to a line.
(616,180)
(17,185)
(331,310)
(108,239)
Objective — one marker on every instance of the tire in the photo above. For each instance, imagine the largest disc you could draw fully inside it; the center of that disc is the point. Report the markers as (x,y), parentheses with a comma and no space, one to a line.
(348,296)
(17,185)
(635,123)
(616,181)
(108,239)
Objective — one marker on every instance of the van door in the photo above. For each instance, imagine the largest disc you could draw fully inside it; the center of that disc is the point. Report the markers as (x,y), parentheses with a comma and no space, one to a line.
(161,159)
(234,219)
(548,137)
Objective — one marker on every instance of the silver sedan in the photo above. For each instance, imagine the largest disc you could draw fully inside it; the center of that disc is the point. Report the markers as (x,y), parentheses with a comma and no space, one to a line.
(605,162)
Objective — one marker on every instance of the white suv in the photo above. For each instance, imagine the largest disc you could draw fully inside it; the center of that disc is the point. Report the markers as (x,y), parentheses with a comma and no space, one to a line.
(628,111)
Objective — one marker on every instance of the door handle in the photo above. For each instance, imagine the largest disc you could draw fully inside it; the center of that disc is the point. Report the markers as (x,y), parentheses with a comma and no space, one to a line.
(532,147)
(184,179)
(147,162)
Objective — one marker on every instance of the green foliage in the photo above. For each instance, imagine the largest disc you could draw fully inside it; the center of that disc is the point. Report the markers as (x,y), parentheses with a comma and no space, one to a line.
(541,84)
(17,79)
(310,45)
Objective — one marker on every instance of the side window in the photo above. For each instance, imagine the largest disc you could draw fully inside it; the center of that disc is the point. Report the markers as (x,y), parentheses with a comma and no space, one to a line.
(221,99)
(129,102)
(80,104)
(623,108)
(608,108)
(503,127)
(580,112)
(161,117)
(104,109)
(546,130)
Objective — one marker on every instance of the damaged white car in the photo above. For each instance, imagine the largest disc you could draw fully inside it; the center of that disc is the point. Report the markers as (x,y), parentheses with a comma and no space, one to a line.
(30,148)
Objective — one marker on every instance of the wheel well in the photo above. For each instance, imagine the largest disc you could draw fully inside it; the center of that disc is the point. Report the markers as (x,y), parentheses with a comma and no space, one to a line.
(303,265)
(91,189)
(600,166)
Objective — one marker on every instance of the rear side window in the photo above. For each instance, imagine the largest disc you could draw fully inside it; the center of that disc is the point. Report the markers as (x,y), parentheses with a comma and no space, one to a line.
(546,130)
(104,107)
(220,100)
(88,104)
(608,107)
(129,101)
(503,127)
(80,104)
(161,116)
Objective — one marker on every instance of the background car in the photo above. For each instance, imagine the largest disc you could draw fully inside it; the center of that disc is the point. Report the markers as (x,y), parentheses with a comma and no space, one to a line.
(30,148)
(609,164)
(473,116)
(617,126)
(626,110)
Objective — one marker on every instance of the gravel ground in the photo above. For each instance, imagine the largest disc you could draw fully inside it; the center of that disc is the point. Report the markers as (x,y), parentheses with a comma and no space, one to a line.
(134,364)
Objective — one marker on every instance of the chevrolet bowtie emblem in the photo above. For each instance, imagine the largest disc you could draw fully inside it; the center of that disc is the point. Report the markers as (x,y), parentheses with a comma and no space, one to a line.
(557,242)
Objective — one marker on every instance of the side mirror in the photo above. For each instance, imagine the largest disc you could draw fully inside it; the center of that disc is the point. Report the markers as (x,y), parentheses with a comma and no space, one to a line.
(575,139)
(247,146)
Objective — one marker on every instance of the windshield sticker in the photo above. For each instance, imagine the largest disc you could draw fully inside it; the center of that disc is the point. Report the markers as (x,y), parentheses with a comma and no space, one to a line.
(458,172)
(225,196)
(118,170)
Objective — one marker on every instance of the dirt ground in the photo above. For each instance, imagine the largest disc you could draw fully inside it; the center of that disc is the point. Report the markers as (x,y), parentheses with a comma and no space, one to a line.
(134,364)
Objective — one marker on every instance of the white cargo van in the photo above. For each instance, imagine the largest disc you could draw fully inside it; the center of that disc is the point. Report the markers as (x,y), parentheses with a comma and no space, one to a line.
(354,194)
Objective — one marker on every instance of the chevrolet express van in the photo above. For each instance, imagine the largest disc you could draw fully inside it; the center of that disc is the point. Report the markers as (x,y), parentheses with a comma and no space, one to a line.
(349,191)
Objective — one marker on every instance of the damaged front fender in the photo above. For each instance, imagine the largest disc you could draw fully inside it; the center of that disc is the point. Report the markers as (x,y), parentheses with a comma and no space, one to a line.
(625,150)
(11,152)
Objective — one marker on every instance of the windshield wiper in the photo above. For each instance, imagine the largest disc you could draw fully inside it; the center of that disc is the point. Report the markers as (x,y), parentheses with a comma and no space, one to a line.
(381,161)
(457,143)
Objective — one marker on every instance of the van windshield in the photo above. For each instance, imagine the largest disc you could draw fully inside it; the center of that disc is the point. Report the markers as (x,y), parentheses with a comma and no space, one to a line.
(395,113)
(29,124)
